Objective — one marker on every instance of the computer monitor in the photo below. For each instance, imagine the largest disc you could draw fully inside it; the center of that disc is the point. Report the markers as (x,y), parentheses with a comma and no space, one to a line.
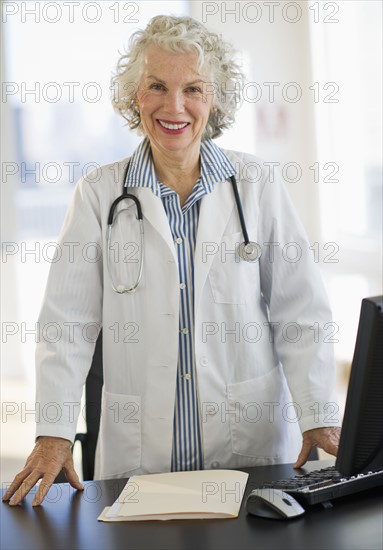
(361,441)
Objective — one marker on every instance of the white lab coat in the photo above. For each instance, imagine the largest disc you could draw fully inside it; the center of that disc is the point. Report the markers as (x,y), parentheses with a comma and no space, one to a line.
(249,374)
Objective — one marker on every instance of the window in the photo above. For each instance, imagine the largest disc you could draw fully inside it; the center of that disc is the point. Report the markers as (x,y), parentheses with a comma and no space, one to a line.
(346,58)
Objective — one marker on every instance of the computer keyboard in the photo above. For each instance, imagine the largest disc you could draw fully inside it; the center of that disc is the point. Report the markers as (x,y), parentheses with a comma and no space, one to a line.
(326,484)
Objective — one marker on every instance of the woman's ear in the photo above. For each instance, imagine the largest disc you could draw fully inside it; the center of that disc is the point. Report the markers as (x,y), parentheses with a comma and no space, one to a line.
(136,103)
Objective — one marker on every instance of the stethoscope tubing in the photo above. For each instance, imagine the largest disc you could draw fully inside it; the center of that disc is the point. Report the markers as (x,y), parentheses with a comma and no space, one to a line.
(126,195)
(240,209)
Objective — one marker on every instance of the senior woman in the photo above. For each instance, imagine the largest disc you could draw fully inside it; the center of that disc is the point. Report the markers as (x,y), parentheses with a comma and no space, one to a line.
(200,369)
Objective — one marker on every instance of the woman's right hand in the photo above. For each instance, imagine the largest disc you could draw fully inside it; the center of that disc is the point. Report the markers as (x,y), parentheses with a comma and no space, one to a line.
(49,456)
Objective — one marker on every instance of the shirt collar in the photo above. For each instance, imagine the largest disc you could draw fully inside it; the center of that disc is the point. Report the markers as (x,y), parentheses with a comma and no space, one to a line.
(141,172)
(215,167)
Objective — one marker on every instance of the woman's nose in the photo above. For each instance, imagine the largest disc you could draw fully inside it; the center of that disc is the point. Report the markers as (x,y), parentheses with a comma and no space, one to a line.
(174,101)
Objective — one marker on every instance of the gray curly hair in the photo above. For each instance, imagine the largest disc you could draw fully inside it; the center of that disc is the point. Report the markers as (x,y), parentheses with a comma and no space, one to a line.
(180,34)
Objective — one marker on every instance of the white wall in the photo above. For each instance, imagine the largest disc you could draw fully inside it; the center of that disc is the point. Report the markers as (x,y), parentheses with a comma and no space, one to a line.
(276,48)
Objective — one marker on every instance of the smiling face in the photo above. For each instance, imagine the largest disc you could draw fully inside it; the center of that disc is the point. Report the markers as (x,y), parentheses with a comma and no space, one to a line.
(173,101)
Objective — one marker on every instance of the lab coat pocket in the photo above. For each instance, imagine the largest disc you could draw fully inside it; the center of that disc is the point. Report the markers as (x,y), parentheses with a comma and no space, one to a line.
(256,408)
(232,279)
(120,443)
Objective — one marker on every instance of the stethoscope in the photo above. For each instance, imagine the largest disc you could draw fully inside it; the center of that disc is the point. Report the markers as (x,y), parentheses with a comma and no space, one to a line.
(248,250)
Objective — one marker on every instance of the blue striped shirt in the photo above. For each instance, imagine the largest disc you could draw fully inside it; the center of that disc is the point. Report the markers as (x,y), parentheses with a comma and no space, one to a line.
(215,167)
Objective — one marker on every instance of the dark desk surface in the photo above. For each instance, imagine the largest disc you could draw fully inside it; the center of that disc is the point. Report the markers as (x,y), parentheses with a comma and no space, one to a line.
(68,519)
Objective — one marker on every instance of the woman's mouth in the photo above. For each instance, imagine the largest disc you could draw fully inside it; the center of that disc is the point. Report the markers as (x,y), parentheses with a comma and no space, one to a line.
(172,127)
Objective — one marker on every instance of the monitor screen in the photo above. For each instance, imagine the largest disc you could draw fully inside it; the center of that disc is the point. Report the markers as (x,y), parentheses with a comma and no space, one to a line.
(361,441)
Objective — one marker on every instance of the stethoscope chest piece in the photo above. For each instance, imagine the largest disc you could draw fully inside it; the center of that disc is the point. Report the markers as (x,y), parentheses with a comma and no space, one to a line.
(250,252)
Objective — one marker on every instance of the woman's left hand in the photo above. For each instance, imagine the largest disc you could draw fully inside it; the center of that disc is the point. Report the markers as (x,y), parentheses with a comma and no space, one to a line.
(324,438)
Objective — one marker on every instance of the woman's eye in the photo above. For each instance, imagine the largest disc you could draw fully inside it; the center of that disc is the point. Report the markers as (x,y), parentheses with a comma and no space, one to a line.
(156,86)
(193,90)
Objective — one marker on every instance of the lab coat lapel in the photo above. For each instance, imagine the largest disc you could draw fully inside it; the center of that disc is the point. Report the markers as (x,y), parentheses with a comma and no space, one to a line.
(153,211)
(216,208)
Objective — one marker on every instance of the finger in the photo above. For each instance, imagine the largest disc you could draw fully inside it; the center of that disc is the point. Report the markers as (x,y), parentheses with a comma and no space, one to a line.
(72,476)
(25,487)
(21,476)
(304,454)
(49,478)
(45,485)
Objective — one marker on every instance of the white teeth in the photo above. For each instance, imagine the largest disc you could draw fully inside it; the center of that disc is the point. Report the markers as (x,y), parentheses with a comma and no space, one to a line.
(172,126)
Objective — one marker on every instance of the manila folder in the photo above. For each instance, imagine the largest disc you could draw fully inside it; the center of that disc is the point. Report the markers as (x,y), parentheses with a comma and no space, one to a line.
(200,494)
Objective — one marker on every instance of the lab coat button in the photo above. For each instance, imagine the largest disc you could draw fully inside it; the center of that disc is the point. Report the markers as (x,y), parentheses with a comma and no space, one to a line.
(215,464)
(204,361)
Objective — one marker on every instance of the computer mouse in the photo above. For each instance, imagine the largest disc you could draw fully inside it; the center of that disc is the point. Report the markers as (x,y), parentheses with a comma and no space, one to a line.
(273,503)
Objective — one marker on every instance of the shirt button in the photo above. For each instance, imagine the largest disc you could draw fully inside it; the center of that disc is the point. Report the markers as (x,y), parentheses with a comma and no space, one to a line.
(204,361)
(178,240)
(187,376)
(185,331)
(215,464)
(182,286)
